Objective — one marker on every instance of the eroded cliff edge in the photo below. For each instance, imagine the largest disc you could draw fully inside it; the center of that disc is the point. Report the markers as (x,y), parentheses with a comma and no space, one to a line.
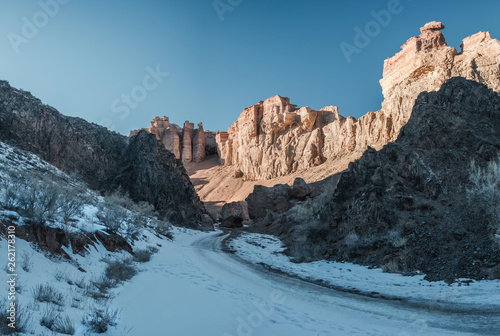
(274,138)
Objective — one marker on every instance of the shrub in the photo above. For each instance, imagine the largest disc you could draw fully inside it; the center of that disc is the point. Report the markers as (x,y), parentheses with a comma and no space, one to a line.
(61,275)
(391,266)
(120,270)
(111,215)
(145,254)
(11,196)
(486,189)
(98,288)
(72,203)
(100,319)
(47,293)
(49,318)
(22,319)
(26,261)
(165,229)
(40,199)
(64,325)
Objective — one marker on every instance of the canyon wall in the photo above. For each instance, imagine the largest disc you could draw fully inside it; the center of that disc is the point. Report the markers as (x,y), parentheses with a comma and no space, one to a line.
(275,138)
(187,143)
(140,166)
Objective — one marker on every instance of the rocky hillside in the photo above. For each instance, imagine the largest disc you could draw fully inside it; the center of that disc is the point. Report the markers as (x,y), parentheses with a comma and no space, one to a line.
(105,160)
(420,204)
(273,138)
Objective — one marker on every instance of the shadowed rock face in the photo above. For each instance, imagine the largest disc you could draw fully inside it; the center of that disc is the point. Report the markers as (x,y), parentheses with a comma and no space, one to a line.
(151,173)
(103,159)
(273,138)
(407,204)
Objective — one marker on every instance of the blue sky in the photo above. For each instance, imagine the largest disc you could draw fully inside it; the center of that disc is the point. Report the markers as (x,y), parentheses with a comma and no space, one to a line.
(84,57)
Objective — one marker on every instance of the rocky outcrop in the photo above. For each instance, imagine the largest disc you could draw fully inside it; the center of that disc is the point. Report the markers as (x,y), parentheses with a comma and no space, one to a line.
(151,173)
(187,143)
(199,144)
(408,207)
(234,214)
(103,159)
(273,138)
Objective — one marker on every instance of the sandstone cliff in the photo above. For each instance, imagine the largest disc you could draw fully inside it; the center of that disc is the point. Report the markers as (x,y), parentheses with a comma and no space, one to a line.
(103,159)
(273,138)
(407,208)
(186,143)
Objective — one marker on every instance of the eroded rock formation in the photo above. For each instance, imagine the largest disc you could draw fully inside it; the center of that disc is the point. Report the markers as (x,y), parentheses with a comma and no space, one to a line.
(411,207)
(187,143)
(273,138)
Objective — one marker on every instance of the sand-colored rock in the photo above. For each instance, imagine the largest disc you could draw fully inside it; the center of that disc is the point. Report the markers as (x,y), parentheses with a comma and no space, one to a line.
(187,143)
(273,138)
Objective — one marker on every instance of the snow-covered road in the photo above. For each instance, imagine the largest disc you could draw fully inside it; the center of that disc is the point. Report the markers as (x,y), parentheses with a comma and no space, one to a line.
(191,287)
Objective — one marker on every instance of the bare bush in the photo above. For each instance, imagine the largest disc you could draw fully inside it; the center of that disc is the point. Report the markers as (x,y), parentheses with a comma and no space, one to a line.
(486,189)
(22,318)
(72,203)
(100,319)
(61,275)
(98,289)
(64,325)
(145,254)
(391,266)
(11,196)
(53,321)
(351,240)
(49,318)
(40,199)
(26,261)
(395,239)
(47,293)
(120,270)
(165,229)
(112,215)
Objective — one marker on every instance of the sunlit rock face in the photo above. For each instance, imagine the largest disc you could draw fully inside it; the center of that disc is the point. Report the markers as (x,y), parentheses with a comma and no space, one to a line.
(275,138)
(186,143)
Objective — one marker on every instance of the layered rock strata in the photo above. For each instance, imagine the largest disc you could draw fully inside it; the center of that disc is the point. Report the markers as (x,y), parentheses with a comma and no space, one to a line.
(274,138)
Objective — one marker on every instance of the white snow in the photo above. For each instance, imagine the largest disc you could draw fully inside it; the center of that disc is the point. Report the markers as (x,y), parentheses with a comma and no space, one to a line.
(266,249)
(191,288)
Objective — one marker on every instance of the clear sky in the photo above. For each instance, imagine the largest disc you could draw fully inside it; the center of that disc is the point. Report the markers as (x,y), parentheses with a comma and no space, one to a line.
(122,62)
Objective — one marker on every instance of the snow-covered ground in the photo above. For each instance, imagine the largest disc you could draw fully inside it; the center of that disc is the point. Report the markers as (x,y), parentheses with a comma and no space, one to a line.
(193,288)
(266,249)
(190,287)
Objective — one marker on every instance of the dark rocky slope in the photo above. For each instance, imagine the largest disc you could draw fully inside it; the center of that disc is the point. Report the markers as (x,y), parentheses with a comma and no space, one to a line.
(407,208)
(103,159)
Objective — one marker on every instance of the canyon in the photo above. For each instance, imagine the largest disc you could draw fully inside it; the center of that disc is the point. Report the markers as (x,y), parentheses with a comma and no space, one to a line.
(274,142)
